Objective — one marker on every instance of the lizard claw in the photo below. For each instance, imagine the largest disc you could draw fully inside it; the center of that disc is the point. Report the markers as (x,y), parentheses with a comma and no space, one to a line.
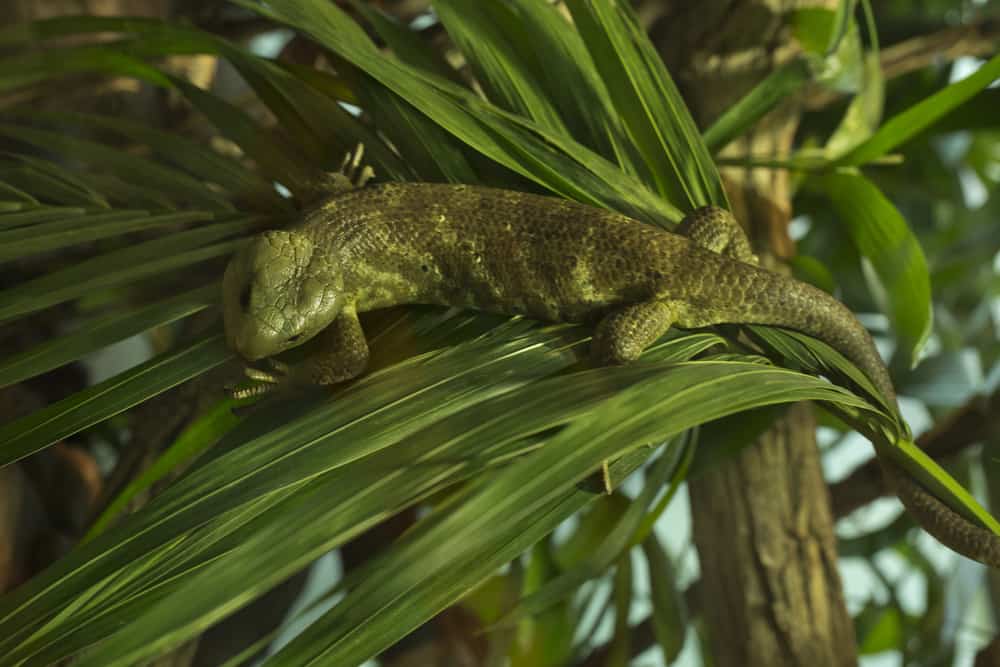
(264,382)
(352,168)
(352,175)
(241,393)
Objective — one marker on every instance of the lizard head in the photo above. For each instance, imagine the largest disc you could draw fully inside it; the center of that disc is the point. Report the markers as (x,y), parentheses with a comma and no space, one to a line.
(278,292)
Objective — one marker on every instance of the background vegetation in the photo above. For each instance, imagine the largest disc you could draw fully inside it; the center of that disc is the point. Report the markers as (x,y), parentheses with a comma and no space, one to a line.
(139,152)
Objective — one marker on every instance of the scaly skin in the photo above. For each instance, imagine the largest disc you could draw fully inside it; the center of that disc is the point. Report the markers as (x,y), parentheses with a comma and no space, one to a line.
(545,258)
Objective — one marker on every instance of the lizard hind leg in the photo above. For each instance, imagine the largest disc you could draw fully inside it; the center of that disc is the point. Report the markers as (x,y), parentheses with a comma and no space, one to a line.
(623,334)
(716,229)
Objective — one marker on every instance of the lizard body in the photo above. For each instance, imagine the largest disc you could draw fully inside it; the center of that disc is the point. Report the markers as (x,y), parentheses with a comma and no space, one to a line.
(551,259)
(518,254)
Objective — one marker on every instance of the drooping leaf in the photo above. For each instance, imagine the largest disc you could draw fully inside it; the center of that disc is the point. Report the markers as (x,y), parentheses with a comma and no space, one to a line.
(884,239)
(901,127)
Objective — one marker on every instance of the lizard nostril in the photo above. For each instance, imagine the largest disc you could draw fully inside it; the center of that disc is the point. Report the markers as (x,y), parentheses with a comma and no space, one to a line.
(245,298)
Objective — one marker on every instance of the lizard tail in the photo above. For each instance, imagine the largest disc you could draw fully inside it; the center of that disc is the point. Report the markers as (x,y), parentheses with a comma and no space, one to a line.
(802,307)
(795,305)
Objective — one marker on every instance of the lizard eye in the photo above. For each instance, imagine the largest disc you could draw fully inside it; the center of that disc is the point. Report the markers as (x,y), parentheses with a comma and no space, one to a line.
(292,339)
(245,298)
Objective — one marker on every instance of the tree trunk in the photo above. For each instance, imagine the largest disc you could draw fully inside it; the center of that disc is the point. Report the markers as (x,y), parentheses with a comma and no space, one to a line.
(771,592)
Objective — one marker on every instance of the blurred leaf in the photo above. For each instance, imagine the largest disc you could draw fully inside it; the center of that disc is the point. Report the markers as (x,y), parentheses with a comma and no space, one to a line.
(609,547)
(186,154)
(901,127)
(776,87)
(121,267)
(831,42)
(408,45)
(489,35)
(96,403)
(879,629)
(91,335)
(546,638)
(52,182)
(276,160)
(619,652)
(196,438)
(815,29)
(813,271)
(669,612)
(600,518)
(861,120)
(32,68)
(882,237)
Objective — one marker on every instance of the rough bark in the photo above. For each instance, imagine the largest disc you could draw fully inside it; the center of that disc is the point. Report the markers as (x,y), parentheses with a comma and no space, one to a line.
(771,592)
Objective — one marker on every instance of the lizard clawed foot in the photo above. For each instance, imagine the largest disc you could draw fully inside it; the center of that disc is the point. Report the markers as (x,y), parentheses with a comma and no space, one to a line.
(265,382)
(352,175)
(351,167)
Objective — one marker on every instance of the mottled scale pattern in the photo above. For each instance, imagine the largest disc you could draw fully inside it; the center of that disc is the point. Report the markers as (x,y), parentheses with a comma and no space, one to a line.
(556,260)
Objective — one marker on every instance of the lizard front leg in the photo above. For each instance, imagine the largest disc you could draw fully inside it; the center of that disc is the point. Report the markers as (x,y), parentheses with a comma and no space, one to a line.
(339,353)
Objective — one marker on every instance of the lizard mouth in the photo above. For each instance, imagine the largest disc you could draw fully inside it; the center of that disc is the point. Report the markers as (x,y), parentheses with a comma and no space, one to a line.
(250,347)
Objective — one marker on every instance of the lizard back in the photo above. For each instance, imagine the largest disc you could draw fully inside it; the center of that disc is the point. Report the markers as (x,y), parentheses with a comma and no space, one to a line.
(500,251)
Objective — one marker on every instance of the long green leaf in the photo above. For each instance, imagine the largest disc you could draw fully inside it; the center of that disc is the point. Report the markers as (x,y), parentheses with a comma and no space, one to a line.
(431,568)
(487,35)
(283,455)
(32,68)
(91,335)
(120,267)
(776,87)
(883,238)
(561,60)
(649,103)
(50,181)
(552,160)
(33,215)
(169,179)
(189,155)
(60,233)
(195,439)
(901,127)
(101,401)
